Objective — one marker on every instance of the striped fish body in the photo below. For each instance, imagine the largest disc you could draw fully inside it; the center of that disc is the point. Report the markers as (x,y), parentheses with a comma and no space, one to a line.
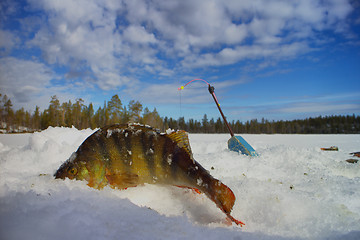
(126,155)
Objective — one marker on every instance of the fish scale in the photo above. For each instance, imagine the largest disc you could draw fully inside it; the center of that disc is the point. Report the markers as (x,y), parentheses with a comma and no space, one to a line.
(140,165)
(126,155)
(147,142)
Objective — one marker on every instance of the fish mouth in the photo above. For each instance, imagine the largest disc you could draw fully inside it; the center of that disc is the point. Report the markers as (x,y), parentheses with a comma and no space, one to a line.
(60,171)
(57,174)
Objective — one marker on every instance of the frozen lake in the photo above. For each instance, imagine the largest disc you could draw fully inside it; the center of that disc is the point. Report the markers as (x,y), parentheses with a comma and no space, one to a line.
(293,190)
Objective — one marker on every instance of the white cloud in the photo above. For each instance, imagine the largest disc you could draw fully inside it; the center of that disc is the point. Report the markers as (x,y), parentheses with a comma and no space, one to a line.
(7,41)
(108,33)
(22,79)
(82,33)
(30,83)
(233,55)
(138,34)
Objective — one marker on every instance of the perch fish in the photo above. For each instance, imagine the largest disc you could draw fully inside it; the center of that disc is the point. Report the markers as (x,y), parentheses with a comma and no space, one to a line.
(126,155)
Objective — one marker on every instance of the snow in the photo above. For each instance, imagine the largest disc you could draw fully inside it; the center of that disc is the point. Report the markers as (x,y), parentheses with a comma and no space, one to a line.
(293,190)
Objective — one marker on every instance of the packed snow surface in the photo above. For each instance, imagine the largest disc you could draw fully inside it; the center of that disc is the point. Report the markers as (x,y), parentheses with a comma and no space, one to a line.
(292,190)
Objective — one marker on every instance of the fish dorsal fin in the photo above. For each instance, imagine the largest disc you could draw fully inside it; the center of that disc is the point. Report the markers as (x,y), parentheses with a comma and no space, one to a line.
(182,140)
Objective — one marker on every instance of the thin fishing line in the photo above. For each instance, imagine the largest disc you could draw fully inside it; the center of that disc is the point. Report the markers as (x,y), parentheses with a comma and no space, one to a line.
(198,79)
(180,105)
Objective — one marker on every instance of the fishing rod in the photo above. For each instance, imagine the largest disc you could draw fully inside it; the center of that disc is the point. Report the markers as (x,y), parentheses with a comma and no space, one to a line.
(211,91)
(235,143)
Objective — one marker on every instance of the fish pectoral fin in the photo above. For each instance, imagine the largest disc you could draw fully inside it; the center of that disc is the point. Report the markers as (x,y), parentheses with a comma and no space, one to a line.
(122,180)
(193,189)
(237,222)
(130,178)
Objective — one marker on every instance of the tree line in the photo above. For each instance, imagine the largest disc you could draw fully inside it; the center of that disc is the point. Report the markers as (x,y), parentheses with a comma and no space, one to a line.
(349,124)
(83,116)
(75,114)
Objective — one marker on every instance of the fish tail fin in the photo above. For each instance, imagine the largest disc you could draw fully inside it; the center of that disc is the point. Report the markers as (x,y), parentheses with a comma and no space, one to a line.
(225,200)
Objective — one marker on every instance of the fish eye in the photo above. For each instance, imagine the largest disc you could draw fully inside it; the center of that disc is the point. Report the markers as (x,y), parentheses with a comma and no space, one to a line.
(72,171)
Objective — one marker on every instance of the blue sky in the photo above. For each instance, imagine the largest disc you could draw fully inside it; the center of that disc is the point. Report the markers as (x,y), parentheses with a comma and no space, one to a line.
(273,59)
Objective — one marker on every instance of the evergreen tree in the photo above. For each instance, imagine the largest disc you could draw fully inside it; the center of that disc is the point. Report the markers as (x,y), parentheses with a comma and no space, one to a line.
(19,119)
(54,112)
(173,123)
(135,109)
(98,117)
(36,119)
(85,118)
(9,113)
(125,116)
(182,124)
(76,112)
(114,108)
(219,126)
(1,109)
(211,126)
(191,125)
(45,119)
(90,116)
(205,124)
(165,123)
(67,114)
(152,118)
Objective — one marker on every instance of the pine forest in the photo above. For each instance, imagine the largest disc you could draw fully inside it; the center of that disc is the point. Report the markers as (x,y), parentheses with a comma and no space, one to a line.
(83,116)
